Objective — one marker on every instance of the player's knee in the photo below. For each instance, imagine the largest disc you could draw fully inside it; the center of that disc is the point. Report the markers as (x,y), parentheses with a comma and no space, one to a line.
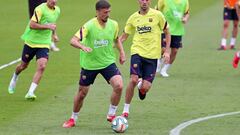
(42,66)
(119,87)
(134,81)
(225,25)
(146,87)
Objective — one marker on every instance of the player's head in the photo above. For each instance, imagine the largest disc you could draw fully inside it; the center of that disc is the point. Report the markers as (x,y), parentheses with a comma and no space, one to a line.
(103,10)
(51,3)
(144,4)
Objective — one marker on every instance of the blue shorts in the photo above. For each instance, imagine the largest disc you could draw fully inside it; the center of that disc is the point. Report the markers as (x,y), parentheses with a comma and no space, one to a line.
(143,67)
(230,14)
(28,53)
(176,41)
(87,77)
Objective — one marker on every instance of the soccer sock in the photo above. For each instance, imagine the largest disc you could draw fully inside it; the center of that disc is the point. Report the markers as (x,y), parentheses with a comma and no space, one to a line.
(166,67)
(238,54)
(32,88)
(75,116)
(13,80)
(159,64)
(126,108)
(112,110)
(233,41)
(53,45)
(224,42)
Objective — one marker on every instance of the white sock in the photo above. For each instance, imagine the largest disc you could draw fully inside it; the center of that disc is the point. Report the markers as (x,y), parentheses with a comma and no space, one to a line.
(233,41)
(166,67)
(238,54)
(75,116)
(32,88)
(53,45)
(126,108)
(159,64)
(224,42)
(13,80)
(112,110)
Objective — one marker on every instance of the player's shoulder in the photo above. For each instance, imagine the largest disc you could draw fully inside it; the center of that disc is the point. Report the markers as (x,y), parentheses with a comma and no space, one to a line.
(114,22)
(57,8)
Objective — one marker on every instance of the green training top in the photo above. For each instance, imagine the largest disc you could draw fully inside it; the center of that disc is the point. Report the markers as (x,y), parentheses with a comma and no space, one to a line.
(101,40)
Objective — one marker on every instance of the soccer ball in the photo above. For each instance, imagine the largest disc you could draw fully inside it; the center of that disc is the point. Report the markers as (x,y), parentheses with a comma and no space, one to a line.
(119,124)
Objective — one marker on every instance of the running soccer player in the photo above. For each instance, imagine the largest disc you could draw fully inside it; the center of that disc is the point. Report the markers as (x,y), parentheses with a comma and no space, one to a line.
(32,4)
(147,25)
(37,38)
(176,13)
(96,40)
(229,14)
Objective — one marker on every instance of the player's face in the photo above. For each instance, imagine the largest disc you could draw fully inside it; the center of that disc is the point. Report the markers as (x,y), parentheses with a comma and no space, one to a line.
(144,4)
(103,14)
(52,3)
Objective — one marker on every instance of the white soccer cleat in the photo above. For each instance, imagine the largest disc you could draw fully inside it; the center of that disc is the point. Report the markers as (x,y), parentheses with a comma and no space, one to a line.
(164,74)
(12,86)
(30,96)
(54,47)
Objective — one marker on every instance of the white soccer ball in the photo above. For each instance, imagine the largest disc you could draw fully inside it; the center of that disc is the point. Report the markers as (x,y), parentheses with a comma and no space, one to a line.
(119,124)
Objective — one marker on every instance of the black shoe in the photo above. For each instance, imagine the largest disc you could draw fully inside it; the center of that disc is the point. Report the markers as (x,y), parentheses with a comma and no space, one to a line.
(141,96)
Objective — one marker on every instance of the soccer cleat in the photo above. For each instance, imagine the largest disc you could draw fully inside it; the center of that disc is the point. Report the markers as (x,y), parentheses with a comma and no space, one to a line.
(141,94)
(55,49)
(125,115)
(68,124)
(11,90)
(110,117)
(30,97)
(235,61)
(12,86)
(222,48)
(164,74)
(232,47)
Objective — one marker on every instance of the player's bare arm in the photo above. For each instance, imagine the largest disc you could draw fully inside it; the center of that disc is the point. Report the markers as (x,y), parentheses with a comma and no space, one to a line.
(75,42)
(122,56)
(35,25)
(166,54)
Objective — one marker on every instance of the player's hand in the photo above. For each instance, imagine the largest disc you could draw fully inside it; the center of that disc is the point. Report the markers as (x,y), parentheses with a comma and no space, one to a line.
(86,49)
(166,57)
(55,38)
(52,26)
(122,58)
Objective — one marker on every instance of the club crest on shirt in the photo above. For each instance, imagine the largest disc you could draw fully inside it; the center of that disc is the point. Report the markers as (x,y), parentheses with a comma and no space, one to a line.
(150,20)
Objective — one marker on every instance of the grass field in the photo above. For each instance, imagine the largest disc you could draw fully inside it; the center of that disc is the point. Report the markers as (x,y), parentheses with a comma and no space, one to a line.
(201,83)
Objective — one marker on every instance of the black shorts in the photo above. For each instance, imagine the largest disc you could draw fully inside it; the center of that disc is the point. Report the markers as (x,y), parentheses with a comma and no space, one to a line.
(32,4)
(87,77)
(176,41)
(28,53)
(143,67)
(230,14)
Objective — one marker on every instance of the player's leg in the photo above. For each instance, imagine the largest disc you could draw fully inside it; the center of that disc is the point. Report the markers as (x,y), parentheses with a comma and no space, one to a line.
(87,78)
(226,22)
(176,43)
(42,60)
(27,55)
(148,75)
(113,76)
(235,29)
(135,72)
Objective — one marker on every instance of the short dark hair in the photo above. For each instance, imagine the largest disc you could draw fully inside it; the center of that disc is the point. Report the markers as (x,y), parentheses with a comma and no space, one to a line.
(102,4)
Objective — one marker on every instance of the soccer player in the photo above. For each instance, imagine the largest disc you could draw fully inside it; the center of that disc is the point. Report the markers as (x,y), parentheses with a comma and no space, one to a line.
(147,25)
(229,14)
(96,40)
(236,57)
(32,4)
(176,13)
(37,38)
